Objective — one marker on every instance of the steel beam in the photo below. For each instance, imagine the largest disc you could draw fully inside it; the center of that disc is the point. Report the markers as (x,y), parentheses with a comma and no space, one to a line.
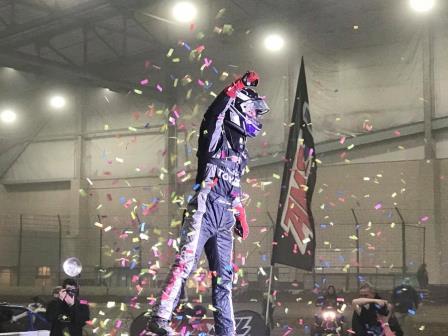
(25,62)
(428,89)
(414,129)
(107,44)
(61,55)
(28,32)
(65,20)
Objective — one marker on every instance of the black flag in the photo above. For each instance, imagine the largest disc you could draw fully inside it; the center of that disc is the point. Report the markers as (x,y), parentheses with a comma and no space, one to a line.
(294,240)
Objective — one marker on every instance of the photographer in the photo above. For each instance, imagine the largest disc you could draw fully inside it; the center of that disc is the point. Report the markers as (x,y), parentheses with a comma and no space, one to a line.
(371,314)
(66,313)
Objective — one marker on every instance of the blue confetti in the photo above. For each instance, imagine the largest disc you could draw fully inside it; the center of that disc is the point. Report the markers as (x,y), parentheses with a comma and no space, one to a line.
(187,46)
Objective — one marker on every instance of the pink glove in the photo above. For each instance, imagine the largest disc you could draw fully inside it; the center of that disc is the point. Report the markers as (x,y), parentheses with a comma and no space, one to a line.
(241,227)
(250,78)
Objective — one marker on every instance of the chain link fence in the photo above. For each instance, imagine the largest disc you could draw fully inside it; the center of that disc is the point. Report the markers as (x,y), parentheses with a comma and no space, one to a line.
(379,245)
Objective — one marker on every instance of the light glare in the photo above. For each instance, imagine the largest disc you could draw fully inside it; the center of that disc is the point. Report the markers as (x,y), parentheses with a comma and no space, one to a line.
(422,5)
(8,116)
(274,42)
(57,102)
(184,12)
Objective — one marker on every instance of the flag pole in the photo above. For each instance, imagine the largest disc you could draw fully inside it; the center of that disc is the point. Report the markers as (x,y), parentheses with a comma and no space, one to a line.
(268,298)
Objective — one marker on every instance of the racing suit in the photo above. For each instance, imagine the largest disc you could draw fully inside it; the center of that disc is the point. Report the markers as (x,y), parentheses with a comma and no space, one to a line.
(209,219)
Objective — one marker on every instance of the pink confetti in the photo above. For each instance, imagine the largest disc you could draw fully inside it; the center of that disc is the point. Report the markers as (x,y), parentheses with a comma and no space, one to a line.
(159,87)
(128,203)
(207,62)
(144,81)
(287,331)
(200,49)
(378,206)
(397,133)
(424,218)
(342,140)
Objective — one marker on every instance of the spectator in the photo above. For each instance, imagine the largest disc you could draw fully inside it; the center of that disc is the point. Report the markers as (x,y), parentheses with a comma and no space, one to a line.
(55,292)
(66,313)
(366,310)
(422,276)
(331,297)
(405,301)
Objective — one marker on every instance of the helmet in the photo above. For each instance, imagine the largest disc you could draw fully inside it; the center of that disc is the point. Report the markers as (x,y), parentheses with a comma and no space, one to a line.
(245,112)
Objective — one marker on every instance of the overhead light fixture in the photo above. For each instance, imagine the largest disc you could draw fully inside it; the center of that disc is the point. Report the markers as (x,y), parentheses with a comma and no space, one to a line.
(422,5)
(274,42)
(8,116)
(57,102)
(185,11)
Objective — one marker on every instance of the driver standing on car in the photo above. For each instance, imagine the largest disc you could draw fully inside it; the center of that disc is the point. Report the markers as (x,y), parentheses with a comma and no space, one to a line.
(66,313)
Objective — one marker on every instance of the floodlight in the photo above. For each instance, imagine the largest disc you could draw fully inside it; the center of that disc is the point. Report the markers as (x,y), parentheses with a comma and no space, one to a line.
(274,42)
(422,5)
(57,102)
(184,11)
(8,116)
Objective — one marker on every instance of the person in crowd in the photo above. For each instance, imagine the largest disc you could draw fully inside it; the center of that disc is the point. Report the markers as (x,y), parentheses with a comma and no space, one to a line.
(55,292)
(366,311)
(422,276)
(66,314)
(331,296)
(405,301)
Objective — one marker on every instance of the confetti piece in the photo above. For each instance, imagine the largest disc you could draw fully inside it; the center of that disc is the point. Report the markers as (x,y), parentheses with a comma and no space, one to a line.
(137,91)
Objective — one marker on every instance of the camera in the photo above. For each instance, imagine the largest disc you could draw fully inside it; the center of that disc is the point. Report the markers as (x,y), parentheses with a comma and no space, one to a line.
(72,292)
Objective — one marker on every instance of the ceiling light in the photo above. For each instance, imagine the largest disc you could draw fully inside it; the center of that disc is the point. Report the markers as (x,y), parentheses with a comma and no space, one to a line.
(184,11)
(422,5)
(274,42)
(57,102)
(8,116)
